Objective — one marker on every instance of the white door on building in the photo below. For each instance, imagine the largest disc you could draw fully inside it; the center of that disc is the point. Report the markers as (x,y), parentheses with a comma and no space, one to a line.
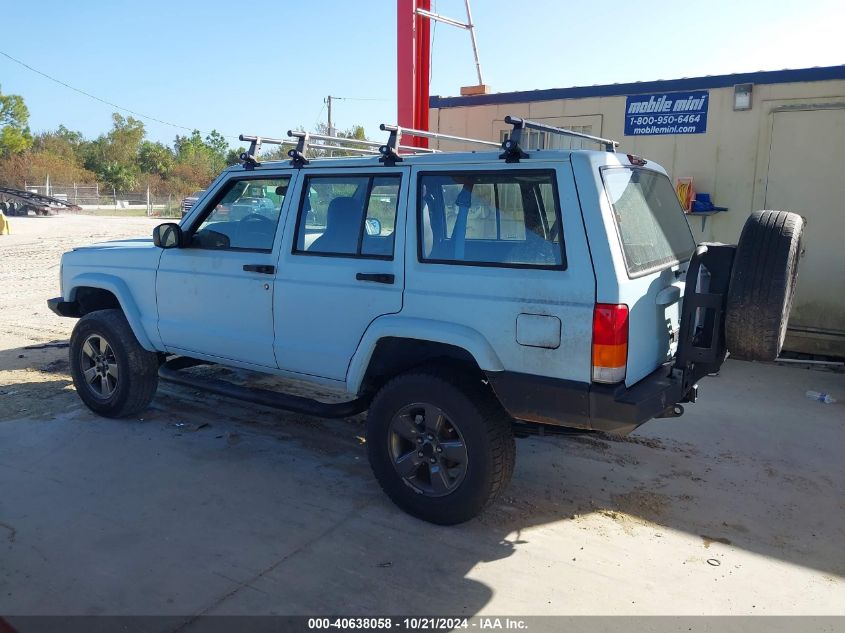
(805,175)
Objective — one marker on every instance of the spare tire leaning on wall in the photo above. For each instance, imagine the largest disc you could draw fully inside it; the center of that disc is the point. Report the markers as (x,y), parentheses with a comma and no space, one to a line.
(762,284)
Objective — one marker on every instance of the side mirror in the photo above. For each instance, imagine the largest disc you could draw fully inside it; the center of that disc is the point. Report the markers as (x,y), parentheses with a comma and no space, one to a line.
(168,235)
(373,226)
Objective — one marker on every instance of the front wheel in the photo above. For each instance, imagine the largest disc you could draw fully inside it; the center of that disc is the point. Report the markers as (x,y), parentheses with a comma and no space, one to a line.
(113,375)
(439,444)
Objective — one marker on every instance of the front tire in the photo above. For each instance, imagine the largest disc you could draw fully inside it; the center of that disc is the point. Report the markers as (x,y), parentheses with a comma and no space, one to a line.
(113,375)
(440,444)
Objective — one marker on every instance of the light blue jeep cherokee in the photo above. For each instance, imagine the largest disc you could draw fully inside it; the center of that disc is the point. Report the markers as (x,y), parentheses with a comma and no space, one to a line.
(458,297)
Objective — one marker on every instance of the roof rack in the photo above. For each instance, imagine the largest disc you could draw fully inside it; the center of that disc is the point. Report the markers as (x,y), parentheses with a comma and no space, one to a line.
(512,151)
(302,140)
(392,151)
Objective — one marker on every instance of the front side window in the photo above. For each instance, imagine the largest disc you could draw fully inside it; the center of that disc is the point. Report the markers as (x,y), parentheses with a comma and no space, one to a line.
(499,218)
(353,216)
(244,216)
(652,226)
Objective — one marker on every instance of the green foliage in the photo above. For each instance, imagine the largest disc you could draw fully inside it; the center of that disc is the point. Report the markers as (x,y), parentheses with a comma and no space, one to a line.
(233,156)
(14,131)
(120,158)
(155,158)
(14,140)
(63,143)
(114,156)
(201,159)
(120,177)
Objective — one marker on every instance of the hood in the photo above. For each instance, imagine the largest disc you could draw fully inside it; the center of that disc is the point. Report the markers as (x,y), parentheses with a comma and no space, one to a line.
(136,242)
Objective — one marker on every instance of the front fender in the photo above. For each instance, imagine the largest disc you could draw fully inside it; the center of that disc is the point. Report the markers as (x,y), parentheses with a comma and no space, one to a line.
(119,289)
(423,329)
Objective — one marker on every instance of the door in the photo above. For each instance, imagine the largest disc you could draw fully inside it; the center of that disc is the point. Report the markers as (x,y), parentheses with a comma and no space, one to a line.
(341,266)
(215,294)
(656,242)
(501,250)
(803,177)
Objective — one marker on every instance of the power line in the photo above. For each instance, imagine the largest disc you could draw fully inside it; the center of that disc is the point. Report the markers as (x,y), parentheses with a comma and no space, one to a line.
(359,99)
(96,98)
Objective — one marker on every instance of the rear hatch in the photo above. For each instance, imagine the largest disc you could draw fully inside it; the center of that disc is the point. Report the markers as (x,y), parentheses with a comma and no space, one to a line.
(656,245)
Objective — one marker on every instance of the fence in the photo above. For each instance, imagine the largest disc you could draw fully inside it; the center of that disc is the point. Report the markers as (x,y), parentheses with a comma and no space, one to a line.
(93,197)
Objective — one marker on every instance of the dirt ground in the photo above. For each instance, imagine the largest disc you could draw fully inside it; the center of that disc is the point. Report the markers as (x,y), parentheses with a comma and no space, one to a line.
(206,506)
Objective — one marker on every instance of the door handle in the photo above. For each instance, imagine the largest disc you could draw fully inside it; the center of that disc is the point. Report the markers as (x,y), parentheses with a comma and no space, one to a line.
(380,278)
(264,269)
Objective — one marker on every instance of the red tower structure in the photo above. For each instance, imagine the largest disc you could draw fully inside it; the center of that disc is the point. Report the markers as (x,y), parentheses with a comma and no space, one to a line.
(413,65)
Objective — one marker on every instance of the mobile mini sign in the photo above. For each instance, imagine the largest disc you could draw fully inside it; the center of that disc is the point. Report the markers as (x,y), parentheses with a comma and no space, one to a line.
(667,113)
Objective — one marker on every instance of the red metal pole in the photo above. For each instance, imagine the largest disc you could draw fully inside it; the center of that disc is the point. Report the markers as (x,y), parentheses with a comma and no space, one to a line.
(405,62)
(413,66)
(423,73)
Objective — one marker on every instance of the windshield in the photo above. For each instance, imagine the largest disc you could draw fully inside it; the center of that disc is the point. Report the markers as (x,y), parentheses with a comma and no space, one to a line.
(651,223)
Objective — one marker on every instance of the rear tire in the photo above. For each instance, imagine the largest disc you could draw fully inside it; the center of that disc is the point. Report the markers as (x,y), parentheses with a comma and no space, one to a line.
(762,284)
(474,451)
(113,375)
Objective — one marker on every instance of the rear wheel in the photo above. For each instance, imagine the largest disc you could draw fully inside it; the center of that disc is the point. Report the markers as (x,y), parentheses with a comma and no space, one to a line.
(439,444)
(113,375)
(762,284)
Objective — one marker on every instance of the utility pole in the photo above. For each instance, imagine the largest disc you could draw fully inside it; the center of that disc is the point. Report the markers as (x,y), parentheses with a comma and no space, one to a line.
(328,102)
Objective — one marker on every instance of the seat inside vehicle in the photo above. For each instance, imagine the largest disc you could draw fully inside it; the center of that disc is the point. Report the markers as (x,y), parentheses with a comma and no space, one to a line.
(343,221)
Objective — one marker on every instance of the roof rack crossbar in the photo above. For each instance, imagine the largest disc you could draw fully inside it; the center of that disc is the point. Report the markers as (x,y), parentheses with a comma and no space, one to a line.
(250,156)
(390,150)
(364,151)
(511,146)
(433,135)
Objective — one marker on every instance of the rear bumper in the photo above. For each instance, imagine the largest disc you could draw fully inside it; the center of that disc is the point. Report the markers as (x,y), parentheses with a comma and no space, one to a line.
(63,308)
(621,409)
(610,408)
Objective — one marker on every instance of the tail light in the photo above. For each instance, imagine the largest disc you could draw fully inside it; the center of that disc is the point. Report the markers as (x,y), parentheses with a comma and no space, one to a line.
(610,342)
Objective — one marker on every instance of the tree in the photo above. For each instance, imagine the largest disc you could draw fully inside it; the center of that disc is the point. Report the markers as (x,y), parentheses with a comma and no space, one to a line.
(114,156)
(200,159)
(61,142)
(155,158)
(120,177)
(124,139)
(217,143)
(233,156)
(14,131)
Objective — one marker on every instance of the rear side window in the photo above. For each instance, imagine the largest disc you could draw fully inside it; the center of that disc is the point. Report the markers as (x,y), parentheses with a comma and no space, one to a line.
(351,216)
(652,226)
(502,218)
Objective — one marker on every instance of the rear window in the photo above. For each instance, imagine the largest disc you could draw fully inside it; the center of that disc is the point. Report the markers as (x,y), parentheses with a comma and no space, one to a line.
(651,223)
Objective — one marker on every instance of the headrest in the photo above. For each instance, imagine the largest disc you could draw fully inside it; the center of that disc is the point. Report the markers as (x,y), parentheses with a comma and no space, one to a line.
(343,212)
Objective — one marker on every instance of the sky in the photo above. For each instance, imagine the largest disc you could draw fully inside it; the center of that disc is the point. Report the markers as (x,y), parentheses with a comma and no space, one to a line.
(263,67)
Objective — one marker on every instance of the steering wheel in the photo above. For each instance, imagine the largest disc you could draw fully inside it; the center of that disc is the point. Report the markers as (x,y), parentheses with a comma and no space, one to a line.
(255,217)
